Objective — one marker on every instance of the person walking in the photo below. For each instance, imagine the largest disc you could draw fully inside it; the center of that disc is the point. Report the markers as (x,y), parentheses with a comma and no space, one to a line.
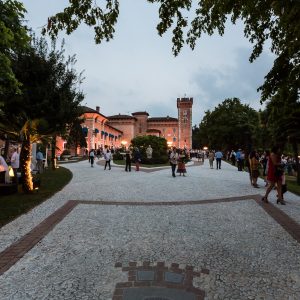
(275,172)
(211,158)
(181,163)
(92,157)
(264,161)
(15,164)
(218,156)
(39,161)
(238,157)
(137,159)
(254,164)
(107,157)
(173,160)
(128,161)
(232,157)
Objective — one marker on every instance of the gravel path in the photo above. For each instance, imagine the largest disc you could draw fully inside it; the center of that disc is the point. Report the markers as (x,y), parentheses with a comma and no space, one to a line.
(249,255)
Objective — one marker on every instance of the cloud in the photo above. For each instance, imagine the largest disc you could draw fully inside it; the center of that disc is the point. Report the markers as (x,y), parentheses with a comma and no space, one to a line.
(241,80)
(136,71)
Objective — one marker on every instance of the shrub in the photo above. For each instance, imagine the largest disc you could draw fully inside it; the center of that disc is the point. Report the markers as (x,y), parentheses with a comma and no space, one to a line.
(158,144)
(66,152)
(118,156)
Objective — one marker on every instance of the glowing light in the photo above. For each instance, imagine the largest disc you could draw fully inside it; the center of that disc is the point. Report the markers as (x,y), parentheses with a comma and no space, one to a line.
(124,143)
(11,171)
(205,148)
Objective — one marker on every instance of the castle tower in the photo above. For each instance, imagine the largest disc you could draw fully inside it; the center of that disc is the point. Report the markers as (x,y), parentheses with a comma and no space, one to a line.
(141,124)
(184,106)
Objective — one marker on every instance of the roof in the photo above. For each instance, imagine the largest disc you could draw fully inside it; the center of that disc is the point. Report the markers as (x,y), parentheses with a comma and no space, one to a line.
(162,119)
(114,128)
(153,130)
(140,113)
(86,109)
(120,117)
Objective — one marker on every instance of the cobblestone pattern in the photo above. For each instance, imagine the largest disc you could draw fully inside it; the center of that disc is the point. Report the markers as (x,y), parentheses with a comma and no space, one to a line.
(99,185)
(12,254)
(158,280)
(250,256)
(16,251)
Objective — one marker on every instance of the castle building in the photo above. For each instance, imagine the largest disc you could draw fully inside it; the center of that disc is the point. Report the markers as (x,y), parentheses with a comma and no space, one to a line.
(118,130)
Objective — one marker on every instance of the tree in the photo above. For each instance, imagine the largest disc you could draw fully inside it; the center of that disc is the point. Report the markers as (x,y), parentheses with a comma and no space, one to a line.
(196,143)
(230,125)
(76,137)
(284,123)
(274,20)
(48,102)
(158,144)
(13,38)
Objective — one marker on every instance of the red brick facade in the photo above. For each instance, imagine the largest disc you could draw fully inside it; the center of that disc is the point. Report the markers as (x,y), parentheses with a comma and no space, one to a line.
(99,132)
(177,132)
(184,106)
(120,129)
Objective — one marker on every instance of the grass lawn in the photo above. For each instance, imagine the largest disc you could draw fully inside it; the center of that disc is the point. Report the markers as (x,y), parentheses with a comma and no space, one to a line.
(122,163)
(11,206)
(292,185)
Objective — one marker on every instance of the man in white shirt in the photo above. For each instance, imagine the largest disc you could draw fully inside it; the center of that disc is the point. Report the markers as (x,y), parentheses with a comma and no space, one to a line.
(107,157)
(15,164)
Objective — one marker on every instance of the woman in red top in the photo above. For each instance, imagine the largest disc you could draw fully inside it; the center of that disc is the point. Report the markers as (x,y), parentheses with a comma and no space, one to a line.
(274,162)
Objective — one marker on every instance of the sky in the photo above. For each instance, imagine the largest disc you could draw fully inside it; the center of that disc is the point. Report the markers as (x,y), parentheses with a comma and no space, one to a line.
(136,71)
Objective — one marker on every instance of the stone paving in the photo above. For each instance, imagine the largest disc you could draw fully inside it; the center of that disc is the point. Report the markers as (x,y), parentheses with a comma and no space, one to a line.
(142,235)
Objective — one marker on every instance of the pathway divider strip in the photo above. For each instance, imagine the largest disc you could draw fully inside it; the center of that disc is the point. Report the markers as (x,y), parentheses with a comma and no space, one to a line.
(167,203)
(17,250)
(288,224)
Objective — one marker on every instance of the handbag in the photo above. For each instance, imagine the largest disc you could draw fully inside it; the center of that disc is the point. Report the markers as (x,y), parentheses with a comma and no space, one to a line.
(278,171)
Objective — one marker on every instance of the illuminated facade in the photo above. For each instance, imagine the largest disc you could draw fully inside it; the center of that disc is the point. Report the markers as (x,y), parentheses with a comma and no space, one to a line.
(177,131)
(118,130)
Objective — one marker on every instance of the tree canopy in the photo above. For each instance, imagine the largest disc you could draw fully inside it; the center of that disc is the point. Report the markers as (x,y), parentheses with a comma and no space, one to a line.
(13,38)
(265,20)
(230,125)
(48,102)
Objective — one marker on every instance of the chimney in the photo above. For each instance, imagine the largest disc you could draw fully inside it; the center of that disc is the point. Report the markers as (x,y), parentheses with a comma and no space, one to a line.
(98,109)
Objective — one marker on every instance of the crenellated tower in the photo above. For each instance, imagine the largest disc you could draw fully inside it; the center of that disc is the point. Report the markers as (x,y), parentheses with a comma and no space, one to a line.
(184,106)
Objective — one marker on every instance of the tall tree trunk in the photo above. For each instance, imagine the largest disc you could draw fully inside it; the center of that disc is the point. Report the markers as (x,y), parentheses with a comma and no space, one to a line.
(295,149)
(53,149)
(25,162)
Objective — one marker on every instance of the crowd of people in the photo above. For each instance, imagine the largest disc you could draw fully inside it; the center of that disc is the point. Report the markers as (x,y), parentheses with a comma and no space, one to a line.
(10,166)
(272,165)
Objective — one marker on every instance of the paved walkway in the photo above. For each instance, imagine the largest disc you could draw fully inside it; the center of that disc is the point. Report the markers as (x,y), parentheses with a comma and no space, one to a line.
(146,235)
